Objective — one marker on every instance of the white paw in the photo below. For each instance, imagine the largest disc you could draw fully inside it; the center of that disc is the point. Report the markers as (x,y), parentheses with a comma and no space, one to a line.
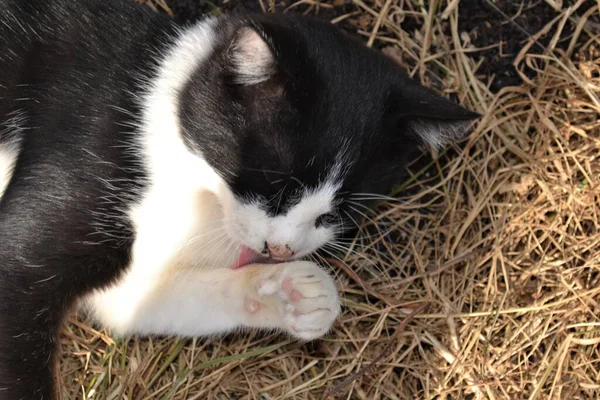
(305,296)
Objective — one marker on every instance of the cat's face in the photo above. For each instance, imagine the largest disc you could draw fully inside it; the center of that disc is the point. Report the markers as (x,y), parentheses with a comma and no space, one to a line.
(306,127)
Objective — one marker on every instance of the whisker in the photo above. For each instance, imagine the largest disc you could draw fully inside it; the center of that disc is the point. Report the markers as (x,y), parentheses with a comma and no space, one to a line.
(368,260)
(358,226)
(336,257)
(198,237)
(341,222)
(363,214)
(219,239)
(363,206)
(236,248)
(327,265)
(270,171)
(349,250)
(212,250)
(374,196)
(340,246)
(376,199)
(298,181)
(280,198)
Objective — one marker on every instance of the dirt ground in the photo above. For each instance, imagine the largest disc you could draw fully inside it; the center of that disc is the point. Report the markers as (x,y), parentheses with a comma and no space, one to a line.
(481,280)
(499,28)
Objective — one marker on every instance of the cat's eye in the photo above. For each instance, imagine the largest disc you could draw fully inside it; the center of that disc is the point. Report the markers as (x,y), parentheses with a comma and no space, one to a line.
(325,219)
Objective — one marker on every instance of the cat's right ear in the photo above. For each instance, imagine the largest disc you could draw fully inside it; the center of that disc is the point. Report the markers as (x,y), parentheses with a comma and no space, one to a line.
(251,58)
(432,119)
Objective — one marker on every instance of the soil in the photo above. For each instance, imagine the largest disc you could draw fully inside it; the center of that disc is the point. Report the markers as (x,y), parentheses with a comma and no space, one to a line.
(500,27)
(511,23)
(190,10)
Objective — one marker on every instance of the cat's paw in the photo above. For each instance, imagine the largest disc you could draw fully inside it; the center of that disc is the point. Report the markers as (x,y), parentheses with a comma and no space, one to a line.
(304,295)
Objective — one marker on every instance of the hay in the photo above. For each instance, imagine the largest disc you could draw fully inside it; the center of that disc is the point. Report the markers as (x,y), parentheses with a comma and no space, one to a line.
(496,244)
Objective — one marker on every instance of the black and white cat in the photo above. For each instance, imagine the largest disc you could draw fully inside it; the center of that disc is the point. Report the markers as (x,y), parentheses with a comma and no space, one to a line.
(152,173)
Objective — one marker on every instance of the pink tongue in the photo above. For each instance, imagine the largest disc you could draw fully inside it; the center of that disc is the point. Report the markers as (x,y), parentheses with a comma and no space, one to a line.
(248,256)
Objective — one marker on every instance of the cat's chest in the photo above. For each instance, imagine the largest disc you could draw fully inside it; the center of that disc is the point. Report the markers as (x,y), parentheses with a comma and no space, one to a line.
(178,221)
(179,227)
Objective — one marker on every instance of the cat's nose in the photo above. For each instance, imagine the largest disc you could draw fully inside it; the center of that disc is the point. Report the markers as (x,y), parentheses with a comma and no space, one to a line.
(280,250)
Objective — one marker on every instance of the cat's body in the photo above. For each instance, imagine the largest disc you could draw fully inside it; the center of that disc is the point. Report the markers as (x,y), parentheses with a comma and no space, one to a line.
(141,163)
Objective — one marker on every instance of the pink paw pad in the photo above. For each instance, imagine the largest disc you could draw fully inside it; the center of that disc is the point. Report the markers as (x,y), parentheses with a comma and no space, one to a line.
(252,306)
(296,296)
(288,287)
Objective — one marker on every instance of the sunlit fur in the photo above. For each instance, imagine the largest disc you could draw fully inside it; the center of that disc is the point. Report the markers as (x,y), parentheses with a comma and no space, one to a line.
(138,158)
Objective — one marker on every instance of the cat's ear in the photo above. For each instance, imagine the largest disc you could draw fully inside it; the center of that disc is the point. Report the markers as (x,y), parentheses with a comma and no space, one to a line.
(252,59)
(434,120)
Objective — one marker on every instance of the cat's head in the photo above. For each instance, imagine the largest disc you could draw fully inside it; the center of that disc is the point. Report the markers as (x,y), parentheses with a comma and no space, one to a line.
(305,125)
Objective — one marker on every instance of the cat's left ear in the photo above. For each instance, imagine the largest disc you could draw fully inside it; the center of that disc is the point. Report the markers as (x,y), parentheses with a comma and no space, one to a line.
(432,119)
(252,59)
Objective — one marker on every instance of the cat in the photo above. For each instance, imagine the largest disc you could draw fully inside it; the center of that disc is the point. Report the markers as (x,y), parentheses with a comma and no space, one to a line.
(172,179)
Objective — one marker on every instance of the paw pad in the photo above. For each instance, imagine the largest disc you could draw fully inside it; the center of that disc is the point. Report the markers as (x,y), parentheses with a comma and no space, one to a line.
(252,306)
(305,296)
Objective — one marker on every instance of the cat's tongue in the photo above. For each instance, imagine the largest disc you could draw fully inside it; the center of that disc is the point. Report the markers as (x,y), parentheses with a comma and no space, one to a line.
(248,256)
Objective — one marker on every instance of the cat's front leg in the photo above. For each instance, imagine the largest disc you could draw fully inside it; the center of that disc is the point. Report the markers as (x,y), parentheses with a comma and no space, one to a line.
(298,297)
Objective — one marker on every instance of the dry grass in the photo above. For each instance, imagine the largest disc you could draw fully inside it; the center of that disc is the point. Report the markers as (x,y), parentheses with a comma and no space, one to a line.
(496,244)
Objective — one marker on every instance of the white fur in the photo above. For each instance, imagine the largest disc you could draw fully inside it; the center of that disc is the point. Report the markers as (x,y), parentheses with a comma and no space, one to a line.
(252,58)
(436,134)
(8,157)
(295,229)
(179,281)
(9,150)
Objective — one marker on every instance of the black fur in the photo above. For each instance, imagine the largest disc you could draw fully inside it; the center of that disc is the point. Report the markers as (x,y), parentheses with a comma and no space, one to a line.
(72,69)
(330,91)
(68,66)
